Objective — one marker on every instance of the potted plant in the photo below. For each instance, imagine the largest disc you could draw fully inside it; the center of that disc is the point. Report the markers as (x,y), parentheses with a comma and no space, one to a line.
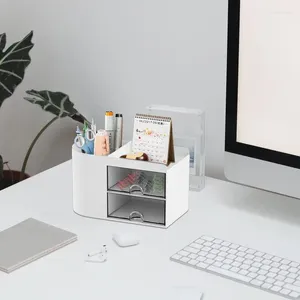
(13,63)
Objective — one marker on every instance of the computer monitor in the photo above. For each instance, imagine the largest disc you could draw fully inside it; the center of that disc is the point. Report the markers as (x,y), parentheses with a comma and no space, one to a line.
(262,144)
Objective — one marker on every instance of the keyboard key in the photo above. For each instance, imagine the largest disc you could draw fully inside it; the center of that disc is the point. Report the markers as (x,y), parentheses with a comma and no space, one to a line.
(209,261)
(211,256)
(252,275)
(279,277)
(228,261)
(256,282)
(200,241)
(294,264)
(271,275)
(257,265)
(297,283)
(284,267)
(262,272)
(293,270)
(249,256)
(266,286)
(243,272)
(217,264)
(292,288)
(193,262)
(261,278)
(191,249)
(245,267)
(240,259)
(203,253)
(226,244)
(234,269)
(233,246)
(217,241)
(185,259)
(176,256)
(283,273)
(207,238)
(236,264)
(267,262)
(292,275)
(275,264)
(265,267)
(270,280)
(276,259)
(248,262)
(228,273)
(231,256)
(232,251)
(214,251)
(202,265)
(258,259)
(223,254)
(241,254)
(219,258)
(226,267)
(259,254)
(243,249)
(224,248)
(208,244)
(289,280)
(279,283)
(193,256)
(268,256)
(216,246)
(196,245)
(183,253)
(285,291)
(253,269)
(274,270)
(275,288)
(207,249)
(250,251)
(286,262)
(201,258)
(294,295)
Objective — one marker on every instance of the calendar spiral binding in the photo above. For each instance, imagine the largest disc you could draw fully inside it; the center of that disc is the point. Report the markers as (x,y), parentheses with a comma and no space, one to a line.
(153,118)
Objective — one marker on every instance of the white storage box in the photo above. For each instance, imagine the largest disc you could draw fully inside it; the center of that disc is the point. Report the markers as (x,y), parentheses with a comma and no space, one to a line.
(117,189)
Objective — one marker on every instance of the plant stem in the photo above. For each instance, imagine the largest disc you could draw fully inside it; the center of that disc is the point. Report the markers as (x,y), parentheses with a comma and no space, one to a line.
(22,175)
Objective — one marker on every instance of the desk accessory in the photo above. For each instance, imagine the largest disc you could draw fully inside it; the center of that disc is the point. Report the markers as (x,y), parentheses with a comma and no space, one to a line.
(125,240)
(102,145)
(30,240)
(110,129)
(191,136)
(268,272)
(153,135)
(119,130)
(131,191)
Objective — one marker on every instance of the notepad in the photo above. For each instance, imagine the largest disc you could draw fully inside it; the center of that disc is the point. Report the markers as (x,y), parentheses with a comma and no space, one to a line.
(28,241)
(153,135)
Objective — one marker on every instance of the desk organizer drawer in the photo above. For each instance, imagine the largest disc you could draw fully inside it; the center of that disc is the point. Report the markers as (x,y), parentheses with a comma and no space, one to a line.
(138,182)
(136,209)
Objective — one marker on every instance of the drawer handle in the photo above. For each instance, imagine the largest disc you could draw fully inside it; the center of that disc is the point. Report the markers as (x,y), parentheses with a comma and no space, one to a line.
(136,188)
(136,215)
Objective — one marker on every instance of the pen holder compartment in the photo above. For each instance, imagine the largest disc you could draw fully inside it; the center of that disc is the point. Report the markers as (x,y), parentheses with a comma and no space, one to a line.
(136,209)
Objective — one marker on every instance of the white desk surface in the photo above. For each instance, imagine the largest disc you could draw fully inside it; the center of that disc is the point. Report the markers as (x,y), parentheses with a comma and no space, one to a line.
(262,220)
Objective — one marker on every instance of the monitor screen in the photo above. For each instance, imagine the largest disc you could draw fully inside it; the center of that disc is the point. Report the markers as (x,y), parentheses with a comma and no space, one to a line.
(268,107)
(263,80)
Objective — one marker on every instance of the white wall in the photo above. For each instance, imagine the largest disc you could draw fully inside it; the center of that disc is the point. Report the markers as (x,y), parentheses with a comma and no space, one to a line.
(115,55)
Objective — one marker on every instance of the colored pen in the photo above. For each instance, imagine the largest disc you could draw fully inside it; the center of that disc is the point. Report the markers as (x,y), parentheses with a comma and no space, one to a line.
(110,129)
(119,131)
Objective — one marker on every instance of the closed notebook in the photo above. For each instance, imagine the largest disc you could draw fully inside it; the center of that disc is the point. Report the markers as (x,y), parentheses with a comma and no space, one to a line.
(28,241)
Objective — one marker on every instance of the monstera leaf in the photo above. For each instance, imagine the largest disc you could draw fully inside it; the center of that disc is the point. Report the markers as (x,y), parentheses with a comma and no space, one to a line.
(56,103)
(13,63)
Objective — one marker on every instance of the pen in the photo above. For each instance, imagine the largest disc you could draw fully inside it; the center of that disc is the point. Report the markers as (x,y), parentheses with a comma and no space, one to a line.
(119,131)
(110,129)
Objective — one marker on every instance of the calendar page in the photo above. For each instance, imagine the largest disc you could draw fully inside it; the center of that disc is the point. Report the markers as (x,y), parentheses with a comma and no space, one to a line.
(153,136)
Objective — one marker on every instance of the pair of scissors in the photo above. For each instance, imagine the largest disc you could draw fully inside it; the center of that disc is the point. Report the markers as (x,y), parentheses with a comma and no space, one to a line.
(85,139)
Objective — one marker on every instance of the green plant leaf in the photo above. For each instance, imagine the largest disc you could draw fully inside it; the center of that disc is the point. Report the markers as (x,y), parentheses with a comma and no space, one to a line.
(13,63)
(57,103)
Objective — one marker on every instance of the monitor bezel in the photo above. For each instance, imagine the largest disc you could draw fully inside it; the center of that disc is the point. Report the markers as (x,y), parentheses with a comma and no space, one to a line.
(231,144)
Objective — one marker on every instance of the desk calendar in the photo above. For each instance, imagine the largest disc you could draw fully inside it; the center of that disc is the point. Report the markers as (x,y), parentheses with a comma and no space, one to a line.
(153,135)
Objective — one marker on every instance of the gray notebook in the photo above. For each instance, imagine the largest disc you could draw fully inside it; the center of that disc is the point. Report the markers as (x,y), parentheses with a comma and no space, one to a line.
(28,241)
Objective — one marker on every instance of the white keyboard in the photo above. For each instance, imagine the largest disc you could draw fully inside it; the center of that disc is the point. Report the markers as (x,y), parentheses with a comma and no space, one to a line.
(258,269)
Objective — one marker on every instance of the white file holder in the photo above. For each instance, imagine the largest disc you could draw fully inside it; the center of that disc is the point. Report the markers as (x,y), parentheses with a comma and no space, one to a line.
(131,191)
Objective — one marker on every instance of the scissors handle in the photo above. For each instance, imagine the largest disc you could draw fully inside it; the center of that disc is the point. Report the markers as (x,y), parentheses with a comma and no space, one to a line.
(90,134)
(79,141)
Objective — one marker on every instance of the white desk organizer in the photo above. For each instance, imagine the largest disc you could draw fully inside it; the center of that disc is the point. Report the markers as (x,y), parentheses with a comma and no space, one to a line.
(132,191)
